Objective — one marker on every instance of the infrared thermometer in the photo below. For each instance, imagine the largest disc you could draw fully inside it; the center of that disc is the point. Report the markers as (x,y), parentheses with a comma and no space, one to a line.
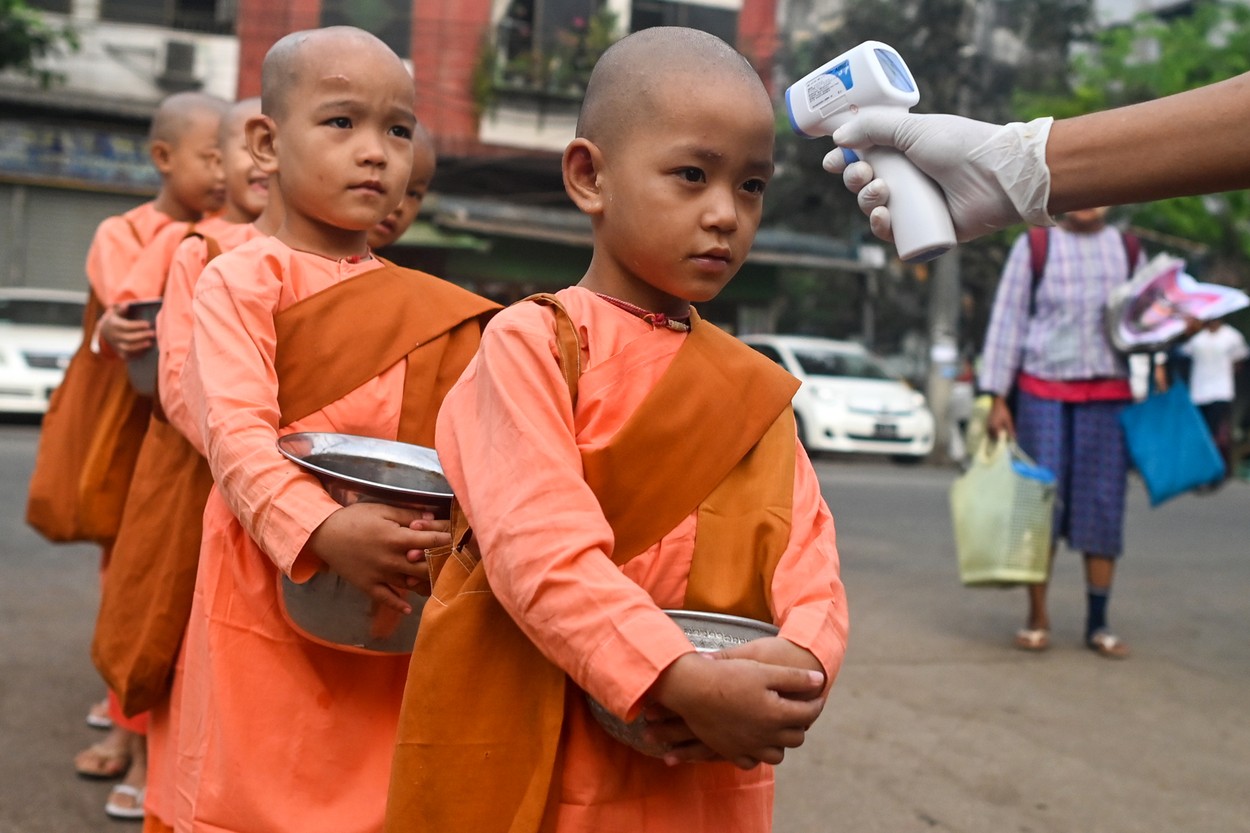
(874,75)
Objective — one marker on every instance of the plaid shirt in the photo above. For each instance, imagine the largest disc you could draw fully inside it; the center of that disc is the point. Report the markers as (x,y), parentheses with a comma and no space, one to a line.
(1065,339)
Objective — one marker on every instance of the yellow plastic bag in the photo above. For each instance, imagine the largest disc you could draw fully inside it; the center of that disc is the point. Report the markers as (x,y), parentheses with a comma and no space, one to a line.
(1002,509)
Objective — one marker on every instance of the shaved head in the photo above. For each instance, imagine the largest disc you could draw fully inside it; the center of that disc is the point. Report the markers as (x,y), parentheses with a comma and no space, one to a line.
(632,75)
(288,61)
(178,111)
(236,116)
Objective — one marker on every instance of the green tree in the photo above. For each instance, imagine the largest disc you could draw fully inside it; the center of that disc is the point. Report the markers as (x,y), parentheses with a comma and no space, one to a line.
(968,57)
(1154,57)
(26,40)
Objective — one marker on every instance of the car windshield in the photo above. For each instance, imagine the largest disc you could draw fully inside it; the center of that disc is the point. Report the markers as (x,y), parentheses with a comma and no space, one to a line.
(41,312)
(820,362)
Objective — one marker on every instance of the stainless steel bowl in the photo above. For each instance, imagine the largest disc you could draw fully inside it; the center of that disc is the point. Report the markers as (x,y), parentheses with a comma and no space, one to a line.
(142,368)
(707,632)
(356,469)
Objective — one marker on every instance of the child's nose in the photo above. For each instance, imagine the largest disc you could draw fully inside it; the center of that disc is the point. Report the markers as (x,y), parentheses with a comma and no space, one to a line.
(372,150)
(721,211)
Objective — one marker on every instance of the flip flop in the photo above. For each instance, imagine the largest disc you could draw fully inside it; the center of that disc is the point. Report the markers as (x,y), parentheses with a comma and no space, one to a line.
(1032,639)
(101,762)
(98,716)
(130,807)
(1107,645)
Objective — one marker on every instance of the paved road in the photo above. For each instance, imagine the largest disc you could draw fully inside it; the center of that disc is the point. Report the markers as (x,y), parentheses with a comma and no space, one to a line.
(935,723)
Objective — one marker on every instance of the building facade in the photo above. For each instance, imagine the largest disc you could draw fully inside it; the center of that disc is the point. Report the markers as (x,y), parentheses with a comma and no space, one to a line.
(498,82)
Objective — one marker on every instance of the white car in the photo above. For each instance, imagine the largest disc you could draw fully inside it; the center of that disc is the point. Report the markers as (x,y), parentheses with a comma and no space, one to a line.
(39,331)
(849,401)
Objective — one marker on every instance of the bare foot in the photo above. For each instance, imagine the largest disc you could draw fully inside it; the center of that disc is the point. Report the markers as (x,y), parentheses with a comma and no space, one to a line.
(110,758)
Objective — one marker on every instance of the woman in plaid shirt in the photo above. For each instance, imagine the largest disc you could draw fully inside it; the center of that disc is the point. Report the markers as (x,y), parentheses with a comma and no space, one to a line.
(1046,340)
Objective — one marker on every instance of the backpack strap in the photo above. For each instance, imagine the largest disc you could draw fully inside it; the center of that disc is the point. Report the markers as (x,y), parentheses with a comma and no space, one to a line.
(1132,248)
(1039,245)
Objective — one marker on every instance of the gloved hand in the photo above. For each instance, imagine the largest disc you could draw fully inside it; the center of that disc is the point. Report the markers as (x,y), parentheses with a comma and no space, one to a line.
(993,175)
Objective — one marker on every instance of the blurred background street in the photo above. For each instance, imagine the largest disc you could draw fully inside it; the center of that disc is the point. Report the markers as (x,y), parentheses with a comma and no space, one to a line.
(936,723)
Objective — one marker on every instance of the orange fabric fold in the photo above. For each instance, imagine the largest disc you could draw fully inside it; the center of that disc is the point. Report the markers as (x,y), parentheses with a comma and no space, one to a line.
(95,422)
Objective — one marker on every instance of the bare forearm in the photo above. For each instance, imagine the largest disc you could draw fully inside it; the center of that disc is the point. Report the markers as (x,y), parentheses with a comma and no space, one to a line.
(1190,143)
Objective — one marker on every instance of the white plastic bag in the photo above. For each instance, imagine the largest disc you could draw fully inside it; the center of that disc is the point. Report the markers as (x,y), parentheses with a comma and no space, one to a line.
(1002,509)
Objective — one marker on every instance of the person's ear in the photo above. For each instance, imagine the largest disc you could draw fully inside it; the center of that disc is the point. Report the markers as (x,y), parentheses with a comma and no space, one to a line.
(582,166)
(262,142)
(162,154)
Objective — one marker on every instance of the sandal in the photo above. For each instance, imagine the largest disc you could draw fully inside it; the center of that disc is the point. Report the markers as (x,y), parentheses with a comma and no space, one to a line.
(1107,645)
(125,802)
(98,715)
(102,762)
(1032,639)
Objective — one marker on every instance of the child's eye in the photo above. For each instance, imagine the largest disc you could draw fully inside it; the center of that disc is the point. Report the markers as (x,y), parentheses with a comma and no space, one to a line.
(341,122)
(401,131)
(754,186)
(692,174)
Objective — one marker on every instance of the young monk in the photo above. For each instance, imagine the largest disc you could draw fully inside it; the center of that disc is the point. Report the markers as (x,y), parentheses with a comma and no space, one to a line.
(95,421)
(131,339)
(143,611)
(599,501)
(393,225)
(305,331)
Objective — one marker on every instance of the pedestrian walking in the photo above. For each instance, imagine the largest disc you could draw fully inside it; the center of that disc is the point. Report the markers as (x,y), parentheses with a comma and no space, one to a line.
(1217,352)
(1046,341)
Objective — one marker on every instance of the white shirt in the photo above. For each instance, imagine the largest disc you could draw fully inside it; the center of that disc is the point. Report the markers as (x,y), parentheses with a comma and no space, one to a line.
(1214,354)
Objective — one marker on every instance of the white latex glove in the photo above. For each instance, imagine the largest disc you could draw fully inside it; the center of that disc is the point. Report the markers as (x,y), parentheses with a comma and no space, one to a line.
(993,175)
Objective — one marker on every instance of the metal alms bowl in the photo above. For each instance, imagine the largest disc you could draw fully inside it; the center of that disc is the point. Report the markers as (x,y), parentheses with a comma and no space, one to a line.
(142,369)
(355,469)
(707,632)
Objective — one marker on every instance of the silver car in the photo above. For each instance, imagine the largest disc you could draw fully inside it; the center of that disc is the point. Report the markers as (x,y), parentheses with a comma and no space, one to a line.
(39,331)
(849,401)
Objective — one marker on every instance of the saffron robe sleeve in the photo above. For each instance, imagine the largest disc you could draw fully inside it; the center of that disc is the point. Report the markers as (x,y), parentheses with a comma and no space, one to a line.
(231,386)
(174,322)
(509,443)
(173,327)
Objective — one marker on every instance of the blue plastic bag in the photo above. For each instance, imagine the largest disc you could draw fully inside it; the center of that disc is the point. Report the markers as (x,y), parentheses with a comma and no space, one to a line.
(1169,444)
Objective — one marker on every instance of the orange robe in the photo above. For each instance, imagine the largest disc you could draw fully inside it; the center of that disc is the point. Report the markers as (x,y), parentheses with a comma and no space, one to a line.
(146,279)
(515,462)
(276,733)
(168,492)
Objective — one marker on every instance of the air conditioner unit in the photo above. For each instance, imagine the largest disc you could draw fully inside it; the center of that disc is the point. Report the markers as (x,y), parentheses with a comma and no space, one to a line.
(178,74)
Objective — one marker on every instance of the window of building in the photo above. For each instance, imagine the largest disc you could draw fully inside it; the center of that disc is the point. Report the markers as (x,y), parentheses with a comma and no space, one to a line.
(209,16)
(389,20)
(719,21)
(551,45)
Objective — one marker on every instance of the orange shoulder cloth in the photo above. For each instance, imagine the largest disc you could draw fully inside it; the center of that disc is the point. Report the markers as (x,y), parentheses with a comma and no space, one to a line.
(87,446)
(483,709)
(332,342)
